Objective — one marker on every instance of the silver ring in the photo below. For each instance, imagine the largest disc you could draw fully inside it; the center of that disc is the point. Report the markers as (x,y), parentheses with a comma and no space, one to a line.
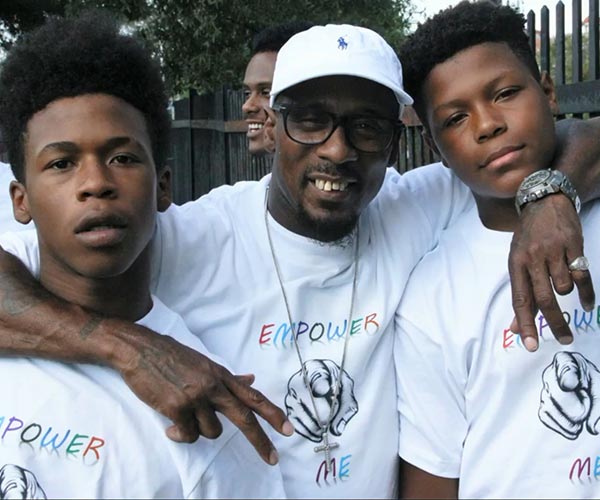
(580,264)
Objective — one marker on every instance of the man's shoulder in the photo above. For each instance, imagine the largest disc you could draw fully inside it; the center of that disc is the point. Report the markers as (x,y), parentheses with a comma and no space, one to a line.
(424,183)
(23,245)
(216,212)
(230,197)
(417,177)
(467,257)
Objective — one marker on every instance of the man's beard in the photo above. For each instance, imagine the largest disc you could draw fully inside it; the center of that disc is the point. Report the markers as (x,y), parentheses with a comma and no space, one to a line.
(329,232)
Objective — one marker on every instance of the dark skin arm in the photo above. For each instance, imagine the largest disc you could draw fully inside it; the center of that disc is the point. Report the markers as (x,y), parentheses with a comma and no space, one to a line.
(175,380)
(416,483)
(550,227)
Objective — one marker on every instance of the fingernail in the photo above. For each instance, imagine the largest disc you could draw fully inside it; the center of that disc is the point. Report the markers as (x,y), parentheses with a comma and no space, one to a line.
(530,344)
(287,429)
(273,457)
(565,339)
(588,307)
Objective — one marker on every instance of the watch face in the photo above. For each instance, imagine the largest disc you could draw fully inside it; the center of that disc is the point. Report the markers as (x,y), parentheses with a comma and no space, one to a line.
(536,178)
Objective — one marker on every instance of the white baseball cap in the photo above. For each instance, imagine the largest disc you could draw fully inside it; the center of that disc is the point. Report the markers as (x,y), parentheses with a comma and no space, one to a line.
(338,49)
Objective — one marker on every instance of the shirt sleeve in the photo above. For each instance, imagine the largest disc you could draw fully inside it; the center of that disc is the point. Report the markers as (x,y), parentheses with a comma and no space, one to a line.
(431,388)
(187,247)
(439,194)
(24,246)
(238,472)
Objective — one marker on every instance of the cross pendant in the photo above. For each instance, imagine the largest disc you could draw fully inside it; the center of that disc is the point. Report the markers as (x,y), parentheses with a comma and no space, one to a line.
(326,447)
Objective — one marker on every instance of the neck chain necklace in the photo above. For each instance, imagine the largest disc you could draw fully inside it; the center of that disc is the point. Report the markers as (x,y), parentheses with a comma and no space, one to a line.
(327,445)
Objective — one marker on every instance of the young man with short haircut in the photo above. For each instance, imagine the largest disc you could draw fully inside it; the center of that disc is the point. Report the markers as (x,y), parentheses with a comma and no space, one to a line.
(258,80)
(480,416)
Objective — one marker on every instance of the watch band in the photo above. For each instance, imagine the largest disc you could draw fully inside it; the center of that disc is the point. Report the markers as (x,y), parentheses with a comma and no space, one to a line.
(542,183)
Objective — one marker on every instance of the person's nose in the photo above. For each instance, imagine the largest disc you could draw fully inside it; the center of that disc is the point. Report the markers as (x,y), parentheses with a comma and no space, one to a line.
(251,104)
(95,180)
(337,149)
(490,123)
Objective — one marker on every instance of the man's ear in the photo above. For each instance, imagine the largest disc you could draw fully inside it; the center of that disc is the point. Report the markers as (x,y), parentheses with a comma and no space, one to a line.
(20,203)
(163,189)
(548,86)
(426,135)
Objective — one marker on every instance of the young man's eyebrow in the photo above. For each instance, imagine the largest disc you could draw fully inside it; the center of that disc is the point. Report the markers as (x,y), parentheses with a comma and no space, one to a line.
(62,146)
(261,83)
(448,105)
(115,142)
(72,147)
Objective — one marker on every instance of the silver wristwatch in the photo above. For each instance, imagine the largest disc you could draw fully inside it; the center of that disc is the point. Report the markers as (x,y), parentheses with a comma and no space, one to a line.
(542,183)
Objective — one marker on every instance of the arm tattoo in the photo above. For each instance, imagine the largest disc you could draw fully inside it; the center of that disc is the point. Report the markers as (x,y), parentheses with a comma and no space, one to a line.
(90,326)
(152,359)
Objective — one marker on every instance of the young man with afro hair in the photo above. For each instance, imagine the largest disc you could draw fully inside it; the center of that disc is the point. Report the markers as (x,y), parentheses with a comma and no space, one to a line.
(84,115)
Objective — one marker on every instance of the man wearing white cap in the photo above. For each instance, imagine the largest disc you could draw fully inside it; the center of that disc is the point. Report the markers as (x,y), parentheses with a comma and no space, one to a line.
(296,278)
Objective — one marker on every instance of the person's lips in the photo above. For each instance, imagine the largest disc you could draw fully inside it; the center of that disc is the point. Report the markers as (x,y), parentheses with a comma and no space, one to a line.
(254,128)
(502,156)
(329,183)
(100,230)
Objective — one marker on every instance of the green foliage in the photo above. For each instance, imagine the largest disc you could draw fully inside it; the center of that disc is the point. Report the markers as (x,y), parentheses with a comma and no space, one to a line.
(129,10)
(204,43)
(19,16)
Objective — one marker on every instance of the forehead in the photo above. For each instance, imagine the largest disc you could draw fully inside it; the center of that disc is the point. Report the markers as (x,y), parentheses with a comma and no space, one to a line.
(343,95)
(85,118)
(260,68)
(484,63)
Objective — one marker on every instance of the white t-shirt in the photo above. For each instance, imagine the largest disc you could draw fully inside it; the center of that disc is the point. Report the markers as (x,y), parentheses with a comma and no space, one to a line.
(213,265)
(7,220)
(473,402)
(77,431)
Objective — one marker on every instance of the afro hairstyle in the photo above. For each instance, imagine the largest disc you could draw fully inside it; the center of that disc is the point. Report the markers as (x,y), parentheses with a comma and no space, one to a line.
(272,38)
(68,57)
(455,29)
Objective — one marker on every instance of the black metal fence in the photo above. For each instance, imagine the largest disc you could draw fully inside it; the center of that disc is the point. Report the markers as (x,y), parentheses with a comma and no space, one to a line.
(209,140)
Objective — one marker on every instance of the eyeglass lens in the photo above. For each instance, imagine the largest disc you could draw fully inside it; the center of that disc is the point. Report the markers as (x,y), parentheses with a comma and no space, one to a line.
(365,133)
